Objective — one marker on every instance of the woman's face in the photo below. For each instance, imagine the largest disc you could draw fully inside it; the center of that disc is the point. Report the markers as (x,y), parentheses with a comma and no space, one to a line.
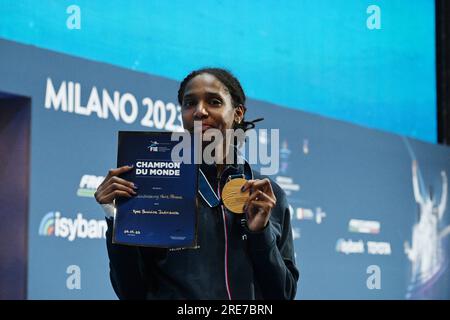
(208,100)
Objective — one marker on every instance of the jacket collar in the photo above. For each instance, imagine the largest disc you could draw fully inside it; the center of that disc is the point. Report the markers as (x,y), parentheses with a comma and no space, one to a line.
(207,178)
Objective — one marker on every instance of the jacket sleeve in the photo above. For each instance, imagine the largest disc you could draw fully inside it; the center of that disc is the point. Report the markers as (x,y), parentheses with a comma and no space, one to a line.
(272,253)
(125,267)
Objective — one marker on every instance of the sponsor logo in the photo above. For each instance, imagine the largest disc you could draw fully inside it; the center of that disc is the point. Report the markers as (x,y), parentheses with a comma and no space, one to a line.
(358,247)
(285,154)
(364,226)
(47,225)
(350,246)
(379,248)
(287,184)
(309,214)
(53,224)
(88,185)
(304,214)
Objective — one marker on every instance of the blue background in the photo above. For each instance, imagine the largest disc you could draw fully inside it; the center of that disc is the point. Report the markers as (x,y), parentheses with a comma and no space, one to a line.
(317,56)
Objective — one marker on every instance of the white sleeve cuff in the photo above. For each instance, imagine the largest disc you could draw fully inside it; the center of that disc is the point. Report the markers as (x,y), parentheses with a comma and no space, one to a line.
(109,209)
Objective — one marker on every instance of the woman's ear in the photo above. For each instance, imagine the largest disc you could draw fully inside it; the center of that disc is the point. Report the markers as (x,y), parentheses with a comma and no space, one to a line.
(239,112)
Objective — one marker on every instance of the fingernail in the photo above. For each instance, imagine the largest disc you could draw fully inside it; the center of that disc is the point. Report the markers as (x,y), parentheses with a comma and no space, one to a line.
(135,186)
(130,165)
(245,207)
(243,188)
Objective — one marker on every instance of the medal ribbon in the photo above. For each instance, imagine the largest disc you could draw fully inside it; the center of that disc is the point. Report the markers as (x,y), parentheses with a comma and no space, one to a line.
(207,192)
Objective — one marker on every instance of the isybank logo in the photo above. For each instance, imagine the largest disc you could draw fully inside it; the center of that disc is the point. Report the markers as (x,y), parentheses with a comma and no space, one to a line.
(53,224)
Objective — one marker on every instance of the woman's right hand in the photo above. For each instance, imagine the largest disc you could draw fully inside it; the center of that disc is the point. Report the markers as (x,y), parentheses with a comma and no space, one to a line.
(113,187)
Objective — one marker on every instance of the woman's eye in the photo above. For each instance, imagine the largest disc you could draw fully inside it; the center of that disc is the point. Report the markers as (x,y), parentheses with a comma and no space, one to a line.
(215,102)
(188,103)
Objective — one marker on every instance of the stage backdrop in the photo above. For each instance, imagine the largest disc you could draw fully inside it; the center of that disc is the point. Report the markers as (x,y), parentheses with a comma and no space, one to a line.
(369,209)
(371,62)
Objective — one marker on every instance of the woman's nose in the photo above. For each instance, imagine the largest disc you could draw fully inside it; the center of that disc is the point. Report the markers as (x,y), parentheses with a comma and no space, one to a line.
(200,111)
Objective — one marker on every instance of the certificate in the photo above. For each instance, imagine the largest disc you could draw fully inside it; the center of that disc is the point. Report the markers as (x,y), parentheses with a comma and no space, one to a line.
(163,213)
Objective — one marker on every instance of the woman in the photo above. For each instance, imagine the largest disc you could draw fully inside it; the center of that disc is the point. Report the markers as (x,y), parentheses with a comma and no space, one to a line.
(250,258)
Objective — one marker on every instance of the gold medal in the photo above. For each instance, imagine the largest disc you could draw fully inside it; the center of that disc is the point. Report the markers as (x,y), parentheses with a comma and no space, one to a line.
(232,196)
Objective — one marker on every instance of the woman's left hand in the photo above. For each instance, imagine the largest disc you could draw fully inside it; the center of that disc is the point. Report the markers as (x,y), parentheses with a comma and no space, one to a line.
(260,203)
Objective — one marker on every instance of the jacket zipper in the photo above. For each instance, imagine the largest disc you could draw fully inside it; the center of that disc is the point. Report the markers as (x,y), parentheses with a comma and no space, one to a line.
(224,219)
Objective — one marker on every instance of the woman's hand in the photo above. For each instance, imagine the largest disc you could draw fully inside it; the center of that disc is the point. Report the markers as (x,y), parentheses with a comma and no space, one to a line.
(113,186)
(260,203)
